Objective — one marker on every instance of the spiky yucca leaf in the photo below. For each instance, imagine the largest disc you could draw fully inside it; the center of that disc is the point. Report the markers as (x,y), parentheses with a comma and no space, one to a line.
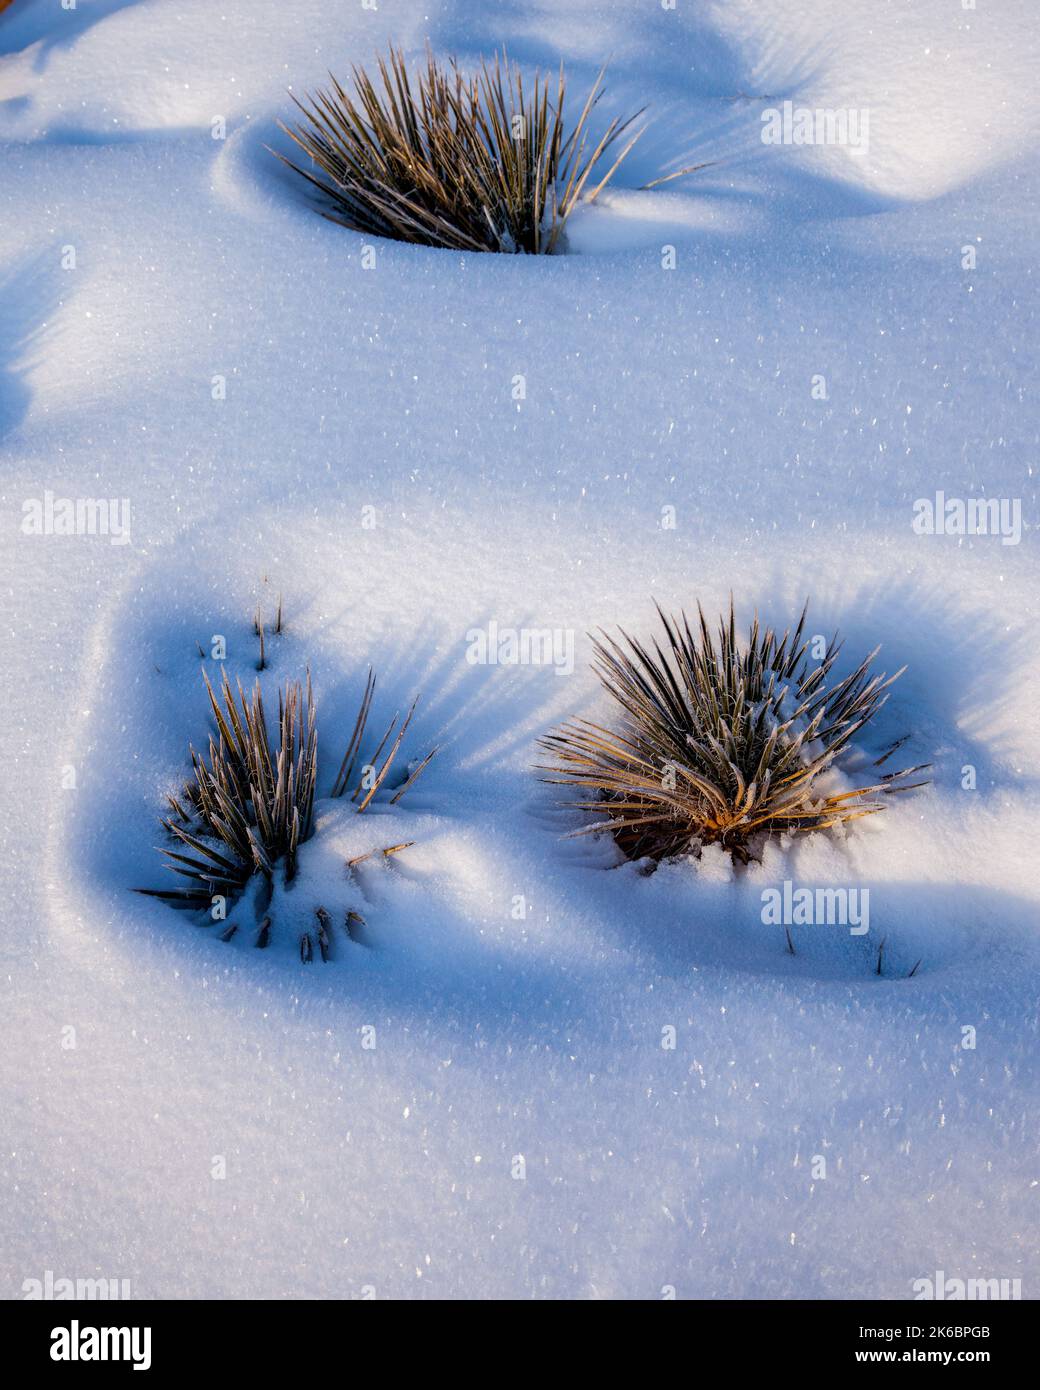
(719,742)
(249,804)
(477,163)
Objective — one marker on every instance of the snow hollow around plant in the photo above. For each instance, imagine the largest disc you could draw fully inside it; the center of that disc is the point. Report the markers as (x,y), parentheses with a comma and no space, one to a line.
(475,1101)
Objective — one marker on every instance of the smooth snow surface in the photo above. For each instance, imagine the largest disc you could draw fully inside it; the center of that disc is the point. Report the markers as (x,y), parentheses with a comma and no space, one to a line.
(518,1129)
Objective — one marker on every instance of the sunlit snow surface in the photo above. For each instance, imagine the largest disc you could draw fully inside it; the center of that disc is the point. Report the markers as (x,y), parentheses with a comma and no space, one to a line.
(517,1128)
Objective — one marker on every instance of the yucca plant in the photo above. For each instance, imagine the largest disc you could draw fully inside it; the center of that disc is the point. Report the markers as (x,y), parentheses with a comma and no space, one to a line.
(249,804)
(481,163)
(719,742)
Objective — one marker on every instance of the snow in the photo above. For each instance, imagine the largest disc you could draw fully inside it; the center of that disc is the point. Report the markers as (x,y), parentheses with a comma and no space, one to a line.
(520,984)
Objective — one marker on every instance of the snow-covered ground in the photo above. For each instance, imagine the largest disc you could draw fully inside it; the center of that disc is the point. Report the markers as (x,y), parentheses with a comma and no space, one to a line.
(844,332)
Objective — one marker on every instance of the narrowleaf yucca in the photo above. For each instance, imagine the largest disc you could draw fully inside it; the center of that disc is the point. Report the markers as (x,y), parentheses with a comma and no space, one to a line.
(718,742)
(481,163)
(250,804)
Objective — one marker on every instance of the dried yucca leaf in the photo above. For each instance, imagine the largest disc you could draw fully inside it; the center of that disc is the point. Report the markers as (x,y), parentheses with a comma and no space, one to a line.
(719,742)
(481,163)
(250,803)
